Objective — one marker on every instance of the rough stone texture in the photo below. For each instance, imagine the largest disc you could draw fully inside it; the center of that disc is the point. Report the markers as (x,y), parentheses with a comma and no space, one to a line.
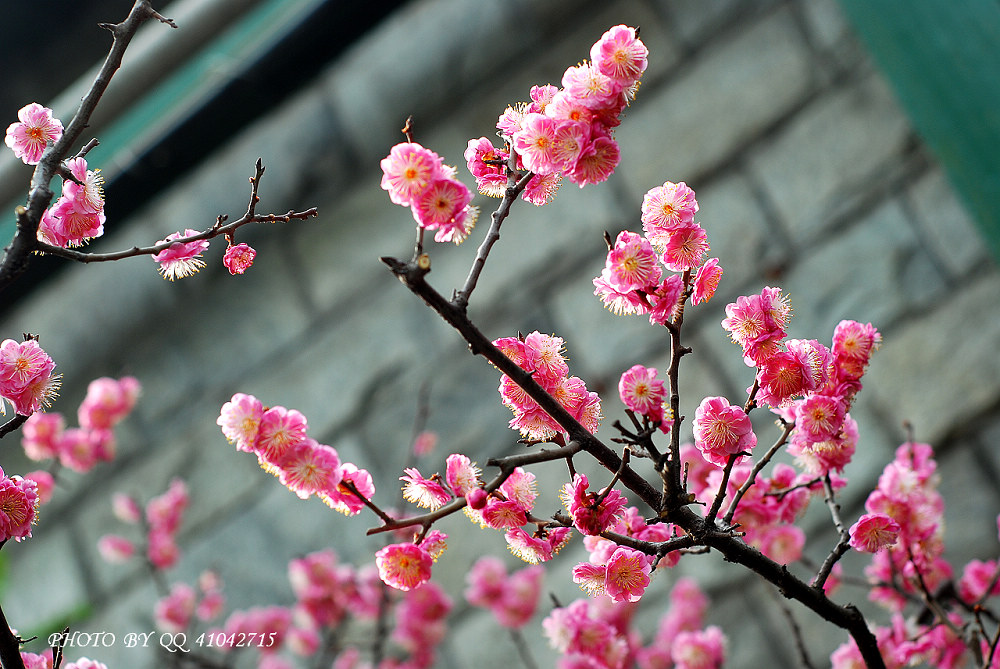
(808,177)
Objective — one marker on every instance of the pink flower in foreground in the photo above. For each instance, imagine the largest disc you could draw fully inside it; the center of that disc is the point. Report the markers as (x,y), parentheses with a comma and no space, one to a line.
(631,263)
(427,493)
(535,143)
(342,498)
(309,468)
(642,392)
(627,575)
(238,258)
(408,170)
(666,207)
(403,566)
(18,507)
(873,532)
(35,661)
(685,247)
(181,259)
(280,429)
(597,162)
(240,420)
(462,475)
(722,430)
(35,128)
(88,195)
(620,54)
(706,281)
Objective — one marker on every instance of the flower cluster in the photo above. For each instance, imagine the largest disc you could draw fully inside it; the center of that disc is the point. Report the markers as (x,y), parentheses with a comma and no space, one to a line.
(18,507)
(592,513)
(512,598)
(176,611)
(108,401)
(646,395)
(32,133)
(277,436)
(633,280)
(903,527)
(597,633)
(542,356)
(568,130)
(416,177)
(26,376)
(161,520)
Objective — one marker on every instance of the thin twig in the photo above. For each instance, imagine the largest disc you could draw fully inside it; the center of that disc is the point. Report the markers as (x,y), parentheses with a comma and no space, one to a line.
(842,545)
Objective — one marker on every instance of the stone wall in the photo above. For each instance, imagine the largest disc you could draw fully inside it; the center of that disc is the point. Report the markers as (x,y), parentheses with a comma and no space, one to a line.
(808,175)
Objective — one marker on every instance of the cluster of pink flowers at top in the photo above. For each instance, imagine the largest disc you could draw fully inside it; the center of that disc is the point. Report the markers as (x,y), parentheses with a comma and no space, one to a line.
(512,598)
(903,527)
(633,280)
(161,519)
(542,355)
(34,130)
(277,436)
(18,507)
(416,177)
(108,401)
(27,380)
(566,131)
(597,634)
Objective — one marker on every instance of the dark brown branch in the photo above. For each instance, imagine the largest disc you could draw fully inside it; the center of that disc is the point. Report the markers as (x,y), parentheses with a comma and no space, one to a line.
(10,646)
(11,425)
(17,255)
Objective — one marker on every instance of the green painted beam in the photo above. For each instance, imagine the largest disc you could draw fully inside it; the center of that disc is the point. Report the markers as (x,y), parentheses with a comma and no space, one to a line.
(942,58)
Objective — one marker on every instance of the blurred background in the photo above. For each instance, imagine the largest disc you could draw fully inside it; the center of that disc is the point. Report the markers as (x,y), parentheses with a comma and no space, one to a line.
(852,168)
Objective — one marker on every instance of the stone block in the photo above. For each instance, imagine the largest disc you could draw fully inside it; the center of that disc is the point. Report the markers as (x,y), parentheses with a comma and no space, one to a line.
(832,150)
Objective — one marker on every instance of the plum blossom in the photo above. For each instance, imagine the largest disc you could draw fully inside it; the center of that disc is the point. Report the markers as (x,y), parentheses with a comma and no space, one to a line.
(181,259)
(873,532)
(722,430)
(403,566)
(33,131)
(18,507)
(238,258)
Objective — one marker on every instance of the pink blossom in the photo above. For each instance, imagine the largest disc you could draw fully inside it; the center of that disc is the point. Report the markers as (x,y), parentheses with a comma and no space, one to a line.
(173,613)
(67,224)
(617,301)
(125,508)
(590,86)
(35,661)
(532,549)
(665,208)
(486,581)
(238,258)
(642,392)
(343,499)
(631,264)
(502,514)
(403,566)
(819,417)
(592,578)
(620,54)
(666,299)
(308,467)
(88,195)
(161,549)
(481,157)
(408,170)
(979,580)
(477,499)
(685,247)
(80,449)
(722,430)
(280,428)
(40,435)
(520,597)
(592,513)
(627,575)
(535,143)
(240,420)
(424,443)
(424,492)
(181,259)
(31,134)
(107,402)
(22,364)
(18,507)
(704,649)
(45,485)
(444,206)
(757,323)
(706,281)
(873,532)
(462,475)
(783,543)
(85,663)
(115,549)
(596,162)
(165,511)
(568,144)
